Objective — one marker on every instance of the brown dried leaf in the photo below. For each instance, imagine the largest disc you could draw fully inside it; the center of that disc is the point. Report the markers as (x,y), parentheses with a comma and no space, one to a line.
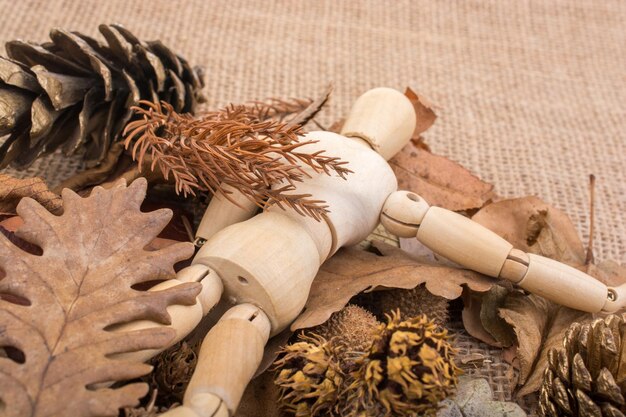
(440,181)
(12,190)
(78,289)
(472,305)
(534,226)
(352,271)
(539,326)
(423,112)
(492,301)
(260,398)
(608,272)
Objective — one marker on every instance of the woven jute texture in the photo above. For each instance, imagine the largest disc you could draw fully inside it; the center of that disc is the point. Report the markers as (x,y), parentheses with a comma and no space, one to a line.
(531,95)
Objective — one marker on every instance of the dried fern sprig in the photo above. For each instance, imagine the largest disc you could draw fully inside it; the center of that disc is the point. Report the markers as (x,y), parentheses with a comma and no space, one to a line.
(229,147)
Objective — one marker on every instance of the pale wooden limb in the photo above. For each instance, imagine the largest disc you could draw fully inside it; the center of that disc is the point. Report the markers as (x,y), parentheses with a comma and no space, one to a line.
(183,318)
(223,212)
(403,212)
(564,285)
(473,246)
(228,358)
(201,405)
(463,241)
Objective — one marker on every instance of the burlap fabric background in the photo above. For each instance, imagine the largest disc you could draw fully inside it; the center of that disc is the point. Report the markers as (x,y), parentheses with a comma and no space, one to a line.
(531,95)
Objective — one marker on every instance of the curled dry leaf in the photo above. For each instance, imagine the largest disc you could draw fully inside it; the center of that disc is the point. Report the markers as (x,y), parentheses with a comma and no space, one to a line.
(423,111)
(71,297)
(539,325)
(352,271)
(12,190)
(492,301)
(425,115)
(440,181)
(472,305)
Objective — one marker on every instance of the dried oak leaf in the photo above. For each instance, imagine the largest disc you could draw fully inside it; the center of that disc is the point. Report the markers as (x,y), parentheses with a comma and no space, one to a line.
(534,226)
(12,190)
(75,293)
(440,181)
(352,271)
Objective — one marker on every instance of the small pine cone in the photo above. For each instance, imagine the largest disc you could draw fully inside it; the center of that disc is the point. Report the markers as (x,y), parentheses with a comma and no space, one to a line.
(173,369)
(585,377)
(352,327)
(408,370)
(414,302)
(75,93)
(309,377)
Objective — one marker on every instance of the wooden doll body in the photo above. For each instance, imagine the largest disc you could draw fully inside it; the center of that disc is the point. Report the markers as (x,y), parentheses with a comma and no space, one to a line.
(263,265)
(267,263)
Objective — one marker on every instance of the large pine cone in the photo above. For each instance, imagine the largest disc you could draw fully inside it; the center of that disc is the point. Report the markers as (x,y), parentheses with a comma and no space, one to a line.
(76,92)
(588,376)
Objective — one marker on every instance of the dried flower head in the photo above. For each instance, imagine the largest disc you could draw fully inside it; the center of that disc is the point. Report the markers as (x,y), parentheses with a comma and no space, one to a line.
(414,302)
(173,369)
(309,377)
(352,328)
(408,370)
(230,147)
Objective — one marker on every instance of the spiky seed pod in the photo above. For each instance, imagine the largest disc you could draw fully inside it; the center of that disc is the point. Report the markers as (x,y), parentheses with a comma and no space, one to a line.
(408,370)
(309,377)
(173,369)
(75,92)
(413,303)
(352,327)
(587,377)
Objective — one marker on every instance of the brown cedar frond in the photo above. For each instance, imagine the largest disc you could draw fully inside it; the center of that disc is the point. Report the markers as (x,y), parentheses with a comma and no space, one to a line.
(229,147)
(278,109)
(292,111)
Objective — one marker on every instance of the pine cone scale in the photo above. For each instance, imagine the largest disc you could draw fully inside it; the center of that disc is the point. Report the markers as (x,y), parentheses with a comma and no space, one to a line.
(14,105)
(13,73)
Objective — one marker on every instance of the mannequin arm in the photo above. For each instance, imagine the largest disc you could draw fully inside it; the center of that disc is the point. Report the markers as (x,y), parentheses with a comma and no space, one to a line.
(475,247)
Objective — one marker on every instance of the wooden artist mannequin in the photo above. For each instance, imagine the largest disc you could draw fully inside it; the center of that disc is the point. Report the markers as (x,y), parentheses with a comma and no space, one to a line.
(263,265)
